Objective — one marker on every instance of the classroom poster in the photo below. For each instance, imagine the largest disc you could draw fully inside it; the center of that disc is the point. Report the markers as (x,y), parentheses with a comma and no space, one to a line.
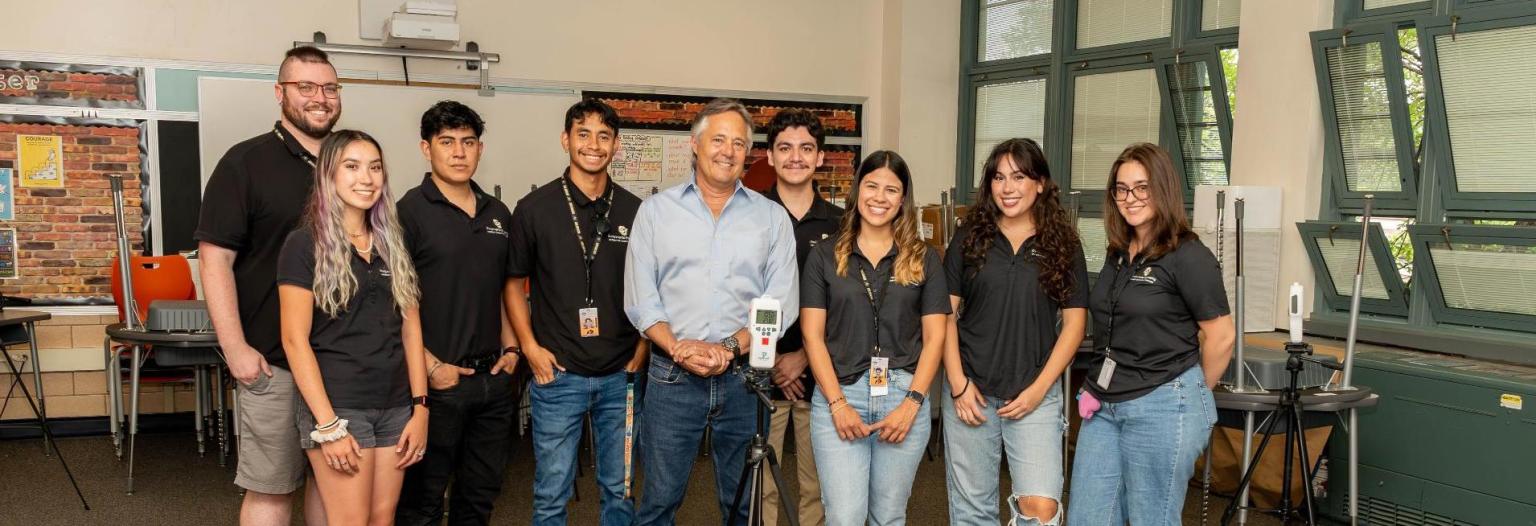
(8,253)
(7,196)
(41,161)
(639,158)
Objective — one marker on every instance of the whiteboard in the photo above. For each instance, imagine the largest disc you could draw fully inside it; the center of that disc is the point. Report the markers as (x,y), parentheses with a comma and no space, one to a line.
(522,130)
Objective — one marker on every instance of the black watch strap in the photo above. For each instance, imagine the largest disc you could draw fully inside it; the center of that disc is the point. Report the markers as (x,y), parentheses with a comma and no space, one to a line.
(917,397)
(419,400)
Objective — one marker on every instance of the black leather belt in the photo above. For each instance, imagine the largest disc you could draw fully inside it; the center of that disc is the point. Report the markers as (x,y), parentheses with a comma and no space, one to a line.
(480,364)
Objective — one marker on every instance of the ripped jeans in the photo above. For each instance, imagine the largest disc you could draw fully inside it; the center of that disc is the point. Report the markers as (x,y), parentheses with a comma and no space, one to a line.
(972,455)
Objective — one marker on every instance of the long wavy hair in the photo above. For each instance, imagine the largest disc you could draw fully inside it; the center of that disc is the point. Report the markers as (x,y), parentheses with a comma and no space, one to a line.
(910,250)
(334,283)
(1170,226)
(1055,238)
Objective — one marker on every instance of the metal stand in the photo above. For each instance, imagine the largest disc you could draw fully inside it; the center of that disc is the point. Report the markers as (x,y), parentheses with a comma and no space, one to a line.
(758,451)
(1289,411)
(1349,363)
(43,424)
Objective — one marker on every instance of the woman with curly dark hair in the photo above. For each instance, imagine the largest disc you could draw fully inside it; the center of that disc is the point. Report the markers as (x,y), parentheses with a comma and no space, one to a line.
(1013,268)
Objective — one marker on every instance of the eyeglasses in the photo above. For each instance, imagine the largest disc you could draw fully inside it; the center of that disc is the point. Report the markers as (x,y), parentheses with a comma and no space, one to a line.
(600,217)
(1123,193)
(307,89)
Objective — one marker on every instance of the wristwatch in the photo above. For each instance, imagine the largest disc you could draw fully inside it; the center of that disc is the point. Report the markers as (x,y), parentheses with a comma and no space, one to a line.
(419,400)
(917,397)
(512,349)
(732,345)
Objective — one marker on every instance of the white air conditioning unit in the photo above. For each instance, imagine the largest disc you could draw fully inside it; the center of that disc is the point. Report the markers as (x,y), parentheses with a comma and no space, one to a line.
(1261,247)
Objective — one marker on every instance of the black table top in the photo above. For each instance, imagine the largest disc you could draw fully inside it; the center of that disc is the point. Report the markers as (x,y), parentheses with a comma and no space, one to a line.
(121,333)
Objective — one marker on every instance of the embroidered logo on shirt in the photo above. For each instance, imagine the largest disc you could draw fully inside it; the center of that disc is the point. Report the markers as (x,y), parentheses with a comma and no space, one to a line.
(495,228)
(1145,277)
(623,230)
(621,236)
(384,272)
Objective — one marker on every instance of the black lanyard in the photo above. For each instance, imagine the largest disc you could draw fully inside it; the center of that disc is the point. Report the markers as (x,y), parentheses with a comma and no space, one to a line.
(597,243)
(1124,281)
(278,130)
(875,303)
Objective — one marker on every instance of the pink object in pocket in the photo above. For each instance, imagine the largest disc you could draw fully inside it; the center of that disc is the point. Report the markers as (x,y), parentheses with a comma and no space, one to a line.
(1087,404)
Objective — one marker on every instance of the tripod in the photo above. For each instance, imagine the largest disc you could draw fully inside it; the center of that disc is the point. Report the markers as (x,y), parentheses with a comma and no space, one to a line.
(759,450)
(43,424)
(1289,410)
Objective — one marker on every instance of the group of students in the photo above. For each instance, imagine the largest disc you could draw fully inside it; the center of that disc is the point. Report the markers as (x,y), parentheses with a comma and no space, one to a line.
(375,342)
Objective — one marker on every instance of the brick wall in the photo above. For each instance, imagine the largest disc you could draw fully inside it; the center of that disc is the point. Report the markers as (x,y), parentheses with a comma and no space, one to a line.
(67,85)
(66,237)
(678,115)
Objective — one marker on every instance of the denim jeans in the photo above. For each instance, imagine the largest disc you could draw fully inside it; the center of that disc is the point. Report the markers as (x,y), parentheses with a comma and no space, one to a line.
(1134,458)
(972,454)
(679,406)
(559,408)
(867,480)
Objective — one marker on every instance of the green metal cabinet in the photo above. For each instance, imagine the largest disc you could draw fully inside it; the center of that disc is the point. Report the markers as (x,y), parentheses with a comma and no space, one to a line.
(1452,442)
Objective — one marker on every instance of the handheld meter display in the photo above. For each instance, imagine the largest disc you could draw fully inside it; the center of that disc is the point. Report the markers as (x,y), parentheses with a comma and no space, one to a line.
(766,318)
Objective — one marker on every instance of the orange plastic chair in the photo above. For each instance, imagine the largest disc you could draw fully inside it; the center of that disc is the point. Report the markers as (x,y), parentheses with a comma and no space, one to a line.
(154,278)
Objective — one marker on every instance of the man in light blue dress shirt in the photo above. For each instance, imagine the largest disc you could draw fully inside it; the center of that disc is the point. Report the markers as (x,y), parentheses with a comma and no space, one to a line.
(698,254)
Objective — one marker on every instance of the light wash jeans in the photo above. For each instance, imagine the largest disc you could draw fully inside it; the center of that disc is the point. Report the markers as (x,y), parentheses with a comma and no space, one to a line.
(972,455)
(867,480)
(1134,458)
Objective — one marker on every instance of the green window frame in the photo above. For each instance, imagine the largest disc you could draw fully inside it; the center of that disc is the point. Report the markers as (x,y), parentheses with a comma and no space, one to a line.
(1347,143)
(1333,248)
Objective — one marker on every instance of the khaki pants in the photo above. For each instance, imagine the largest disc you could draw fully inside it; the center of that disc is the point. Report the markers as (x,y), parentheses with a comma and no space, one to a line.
(805,464)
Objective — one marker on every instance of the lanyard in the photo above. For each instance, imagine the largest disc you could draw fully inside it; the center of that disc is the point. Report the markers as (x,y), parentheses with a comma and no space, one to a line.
(597,243)
(1122,281)
(278,130)
(874,303)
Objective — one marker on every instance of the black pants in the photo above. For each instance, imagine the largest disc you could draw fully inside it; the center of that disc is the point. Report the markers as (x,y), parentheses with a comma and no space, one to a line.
(469,435)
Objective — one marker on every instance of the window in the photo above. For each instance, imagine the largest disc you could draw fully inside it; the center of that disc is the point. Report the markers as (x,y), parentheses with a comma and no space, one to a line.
(1219,14)
(1110,22)
(1015,28)
(1433,114)
(1200,146)
(1110,111)
(1008,110)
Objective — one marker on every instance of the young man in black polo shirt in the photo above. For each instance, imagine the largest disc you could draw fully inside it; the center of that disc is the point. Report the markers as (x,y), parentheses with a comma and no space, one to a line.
(569,238)
(458,239)
(795,139)
(253,200)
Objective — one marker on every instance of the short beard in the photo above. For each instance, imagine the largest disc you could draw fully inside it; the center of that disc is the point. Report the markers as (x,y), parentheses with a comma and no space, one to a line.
(296,117)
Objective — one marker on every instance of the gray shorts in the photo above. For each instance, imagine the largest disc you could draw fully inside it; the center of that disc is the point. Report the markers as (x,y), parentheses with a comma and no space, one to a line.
(271,460)
(369,427)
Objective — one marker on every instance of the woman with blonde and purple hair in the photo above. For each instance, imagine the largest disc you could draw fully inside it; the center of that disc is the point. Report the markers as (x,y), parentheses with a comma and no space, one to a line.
(350,329)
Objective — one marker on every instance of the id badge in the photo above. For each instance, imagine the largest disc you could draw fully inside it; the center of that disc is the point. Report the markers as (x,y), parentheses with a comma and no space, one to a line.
(879,376)
(1106,373)
(588,319)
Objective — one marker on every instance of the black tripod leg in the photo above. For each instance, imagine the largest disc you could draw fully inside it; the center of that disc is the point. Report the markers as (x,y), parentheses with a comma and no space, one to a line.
(1290,444)
(1306,469)
(749,469)
(47,433)
(788,502)
(1267,429)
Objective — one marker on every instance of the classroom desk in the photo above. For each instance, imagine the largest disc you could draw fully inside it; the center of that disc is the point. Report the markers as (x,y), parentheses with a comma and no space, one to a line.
(18,326)
(137,340)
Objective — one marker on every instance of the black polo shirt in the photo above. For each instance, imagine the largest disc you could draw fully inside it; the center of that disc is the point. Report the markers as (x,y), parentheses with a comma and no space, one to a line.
(252,202)
(359,351)
(461,262)
(850,329)
(1155,332)
(1007,319)
(819,224)
(545,249)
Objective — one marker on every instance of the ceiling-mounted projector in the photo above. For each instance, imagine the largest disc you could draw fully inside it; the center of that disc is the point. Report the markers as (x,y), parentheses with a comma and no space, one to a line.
(423,24)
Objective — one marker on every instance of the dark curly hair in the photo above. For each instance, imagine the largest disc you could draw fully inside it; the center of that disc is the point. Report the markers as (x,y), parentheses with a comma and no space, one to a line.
(1055,238)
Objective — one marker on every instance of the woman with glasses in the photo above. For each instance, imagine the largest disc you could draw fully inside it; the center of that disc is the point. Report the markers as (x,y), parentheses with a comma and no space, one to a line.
(1147,407)
(348,294)
(873,311)
(1014,267)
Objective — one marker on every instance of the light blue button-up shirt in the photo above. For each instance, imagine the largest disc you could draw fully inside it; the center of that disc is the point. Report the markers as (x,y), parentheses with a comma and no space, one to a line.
(700,273)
